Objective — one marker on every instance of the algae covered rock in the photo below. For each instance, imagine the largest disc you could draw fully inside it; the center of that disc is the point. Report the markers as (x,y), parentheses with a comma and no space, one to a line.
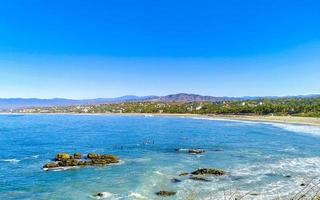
(51,165)
(208,171)
(77,156)
(62,156)
(110,158)
(102,159)
(165,193)
(93,156)
(69,163)
(65,160)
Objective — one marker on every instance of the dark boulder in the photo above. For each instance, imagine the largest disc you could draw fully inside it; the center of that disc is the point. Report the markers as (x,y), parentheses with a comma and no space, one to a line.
(206,171)
(165,193)
(175,180)
(195,151)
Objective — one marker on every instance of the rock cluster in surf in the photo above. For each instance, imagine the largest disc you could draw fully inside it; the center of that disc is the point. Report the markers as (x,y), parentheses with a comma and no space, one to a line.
(66,160)
(202,173)
(191,151)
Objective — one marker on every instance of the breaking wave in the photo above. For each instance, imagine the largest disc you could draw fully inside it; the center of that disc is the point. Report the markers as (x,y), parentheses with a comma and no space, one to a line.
(10,160)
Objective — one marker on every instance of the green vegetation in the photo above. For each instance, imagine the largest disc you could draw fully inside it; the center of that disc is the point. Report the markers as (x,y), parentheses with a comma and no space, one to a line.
(307,107)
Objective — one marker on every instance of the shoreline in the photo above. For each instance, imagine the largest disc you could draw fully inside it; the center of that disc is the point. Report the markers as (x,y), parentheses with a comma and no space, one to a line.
(312,121)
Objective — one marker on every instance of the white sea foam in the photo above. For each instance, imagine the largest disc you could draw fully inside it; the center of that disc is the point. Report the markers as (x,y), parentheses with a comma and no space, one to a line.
(31,157)
(35,156)
(285,166)
(266,180)
(315,130)
(159,173)
(58,169)
(13,160)
(136,195)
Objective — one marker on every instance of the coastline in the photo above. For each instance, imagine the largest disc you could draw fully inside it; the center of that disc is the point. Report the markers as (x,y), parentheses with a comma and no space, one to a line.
(312,121)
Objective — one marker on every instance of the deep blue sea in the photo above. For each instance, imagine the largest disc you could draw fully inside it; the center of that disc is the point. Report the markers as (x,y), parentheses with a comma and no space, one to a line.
(262,160)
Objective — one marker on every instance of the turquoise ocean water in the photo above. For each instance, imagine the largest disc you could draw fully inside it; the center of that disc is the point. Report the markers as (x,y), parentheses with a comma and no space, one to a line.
(263,159)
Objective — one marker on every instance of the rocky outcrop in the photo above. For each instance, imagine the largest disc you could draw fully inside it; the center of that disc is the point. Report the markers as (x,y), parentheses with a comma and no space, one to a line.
(62,156)
(207,171)
(77,156)
(65,160)
(165,193)
(191,151)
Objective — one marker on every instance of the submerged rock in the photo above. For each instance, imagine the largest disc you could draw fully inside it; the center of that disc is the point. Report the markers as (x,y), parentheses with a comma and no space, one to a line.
(175,180)
(65,160)
(254,194)
(199,179)
(184,174)
(165,193)
(206,171)
(217,150)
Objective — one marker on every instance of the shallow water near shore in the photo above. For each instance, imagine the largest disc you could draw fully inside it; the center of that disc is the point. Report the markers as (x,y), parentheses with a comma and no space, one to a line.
(263,160)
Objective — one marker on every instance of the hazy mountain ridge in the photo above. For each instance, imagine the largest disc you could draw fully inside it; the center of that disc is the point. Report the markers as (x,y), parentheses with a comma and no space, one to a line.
(14,103)
(184,97)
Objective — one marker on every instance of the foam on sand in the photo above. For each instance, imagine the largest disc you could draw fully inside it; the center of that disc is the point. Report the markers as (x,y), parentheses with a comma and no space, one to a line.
(314,130)
(309,129)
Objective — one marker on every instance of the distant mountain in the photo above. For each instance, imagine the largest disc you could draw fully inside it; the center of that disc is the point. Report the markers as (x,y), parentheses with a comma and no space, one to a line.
(184,97)
(14,103)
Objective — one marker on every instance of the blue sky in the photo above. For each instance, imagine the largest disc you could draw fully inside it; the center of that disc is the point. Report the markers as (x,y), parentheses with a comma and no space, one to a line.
(88,49)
